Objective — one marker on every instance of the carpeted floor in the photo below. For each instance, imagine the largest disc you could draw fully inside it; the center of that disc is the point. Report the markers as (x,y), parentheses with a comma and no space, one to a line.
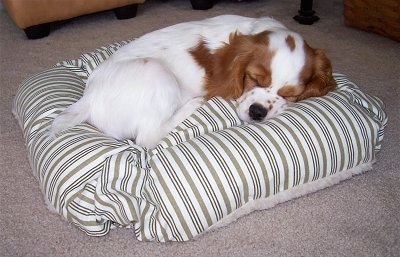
(358,217)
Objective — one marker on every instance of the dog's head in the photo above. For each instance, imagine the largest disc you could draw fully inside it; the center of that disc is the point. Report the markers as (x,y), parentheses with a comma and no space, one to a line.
(280,60)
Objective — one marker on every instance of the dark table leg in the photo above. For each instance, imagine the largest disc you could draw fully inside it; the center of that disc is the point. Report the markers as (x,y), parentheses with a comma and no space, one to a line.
(306,14)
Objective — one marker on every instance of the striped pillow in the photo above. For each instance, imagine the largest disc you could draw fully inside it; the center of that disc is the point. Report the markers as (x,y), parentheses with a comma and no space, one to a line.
(210,170)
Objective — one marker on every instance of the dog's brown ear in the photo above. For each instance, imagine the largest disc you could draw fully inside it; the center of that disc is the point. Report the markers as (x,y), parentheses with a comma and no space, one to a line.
(227,78)
(230,61)
(222,68)
(318,79)
(315,79)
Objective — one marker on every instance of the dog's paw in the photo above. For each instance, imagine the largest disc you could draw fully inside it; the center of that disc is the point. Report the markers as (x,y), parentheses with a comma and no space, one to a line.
(194,103)
(50,134)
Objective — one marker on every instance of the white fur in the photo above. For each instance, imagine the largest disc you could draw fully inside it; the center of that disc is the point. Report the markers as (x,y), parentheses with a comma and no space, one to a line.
(152,84)
(265,97)
(286,64)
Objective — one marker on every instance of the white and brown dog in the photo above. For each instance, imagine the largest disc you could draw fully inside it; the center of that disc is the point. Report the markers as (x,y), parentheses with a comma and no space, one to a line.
(152,84)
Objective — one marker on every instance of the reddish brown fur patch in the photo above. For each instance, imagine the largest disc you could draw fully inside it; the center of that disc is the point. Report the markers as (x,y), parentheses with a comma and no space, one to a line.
(203,57)
(315,78)
(258,71)
(241,64)
(316,74)
(290,93)
(290,42)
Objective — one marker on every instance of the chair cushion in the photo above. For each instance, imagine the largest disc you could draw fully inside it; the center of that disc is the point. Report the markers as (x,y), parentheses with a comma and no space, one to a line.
(212,169)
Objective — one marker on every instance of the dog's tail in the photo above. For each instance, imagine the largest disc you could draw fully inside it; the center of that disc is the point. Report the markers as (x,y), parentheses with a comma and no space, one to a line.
(73,115)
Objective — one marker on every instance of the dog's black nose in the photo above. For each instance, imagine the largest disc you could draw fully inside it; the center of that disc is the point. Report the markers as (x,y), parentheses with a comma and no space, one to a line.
(257,112)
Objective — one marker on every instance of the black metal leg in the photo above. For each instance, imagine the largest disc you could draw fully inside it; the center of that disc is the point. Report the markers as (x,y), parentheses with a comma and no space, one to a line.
(306,14)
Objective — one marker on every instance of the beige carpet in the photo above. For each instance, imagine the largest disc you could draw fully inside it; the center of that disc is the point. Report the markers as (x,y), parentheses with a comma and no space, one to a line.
(359,217)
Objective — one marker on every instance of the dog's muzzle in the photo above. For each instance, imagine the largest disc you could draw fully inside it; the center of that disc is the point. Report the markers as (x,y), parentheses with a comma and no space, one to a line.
(259,104)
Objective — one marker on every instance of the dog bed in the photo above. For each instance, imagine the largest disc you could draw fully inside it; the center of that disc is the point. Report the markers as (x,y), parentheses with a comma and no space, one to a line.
(210,170)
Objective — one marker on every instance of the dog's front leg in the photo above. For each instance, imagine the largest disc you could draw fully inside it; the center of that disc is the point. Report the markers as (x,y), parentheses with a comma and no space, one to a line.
(184,112)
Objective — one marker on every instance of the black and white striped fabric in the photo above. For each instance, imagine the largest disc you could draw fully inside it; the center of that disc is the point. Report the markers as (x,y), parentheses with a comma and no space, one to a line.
(210,170)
